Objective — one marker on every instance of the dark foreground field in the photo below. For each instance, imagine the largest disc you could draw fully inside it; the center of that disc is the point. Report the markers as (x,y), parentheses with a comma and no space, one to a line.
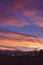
(22,60)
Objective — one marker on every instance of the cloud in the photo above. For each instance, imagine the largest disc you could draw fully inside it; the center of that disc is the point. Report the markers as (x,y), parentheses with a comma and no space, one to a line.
(12,12)
(18,23)
(18,37)
(14,39)
(29,12)
(35,16)
(39,23)
(9,16)
(19,48)
(38,20)
(29,4)
(20,13)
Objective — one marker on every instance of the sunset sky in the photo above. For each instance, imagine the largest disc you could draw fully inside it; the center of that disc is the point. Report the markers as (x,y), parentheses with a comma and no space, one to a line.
(21,23)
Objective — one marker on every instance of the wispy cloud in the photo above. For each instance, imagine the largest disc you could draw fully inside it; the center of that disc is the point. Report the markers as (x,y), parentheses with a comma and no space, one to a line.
(38,20)
(35,16)
(14,22)
(14,39)
(9,11)
(19,48)
(18,37)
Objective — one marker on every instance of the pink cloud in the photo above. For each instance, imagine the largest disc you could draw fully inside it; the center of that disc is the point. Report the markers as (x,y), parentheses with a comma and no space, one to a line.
(39,23)
(30,12)
(34,17)
(14,22)
(38,20)
(21,4)
(13,7)
(19,37)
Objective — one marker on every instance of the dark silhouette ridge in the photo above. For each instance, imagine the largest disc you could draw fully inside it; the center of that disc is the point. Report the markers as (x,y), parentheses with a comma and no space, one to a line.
(21,58)
(19,53)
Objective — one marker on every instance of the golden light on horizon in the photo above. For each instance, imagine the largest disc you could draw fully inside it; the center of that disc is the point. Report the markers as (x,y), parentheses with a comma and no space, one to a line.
(13,43)
(11,40)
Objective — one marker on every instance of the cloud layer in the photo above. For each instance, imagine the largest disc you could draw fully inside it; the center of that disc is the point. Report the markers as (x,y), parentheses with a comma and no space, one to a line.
(21,16)
(12,12)
(10,40)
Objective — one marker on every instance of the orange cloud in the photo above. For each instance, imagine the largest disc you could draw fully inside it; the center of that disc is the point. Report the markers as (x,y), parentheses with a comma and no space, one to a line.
(13,43)
(19,37)
(19,40)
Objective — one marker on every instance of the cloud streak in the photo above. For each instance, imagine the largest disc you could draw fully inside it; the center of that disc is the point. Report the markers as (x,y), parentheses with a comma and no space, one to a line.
(38,20)
(18,37)
(9,15)
(35,16)
(14,39)
(18,23)
(19,48)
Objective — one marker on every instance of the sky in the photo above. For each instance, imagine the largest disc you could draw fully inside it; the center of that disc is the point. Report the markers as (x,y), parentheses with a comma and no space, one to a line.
(21,23)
